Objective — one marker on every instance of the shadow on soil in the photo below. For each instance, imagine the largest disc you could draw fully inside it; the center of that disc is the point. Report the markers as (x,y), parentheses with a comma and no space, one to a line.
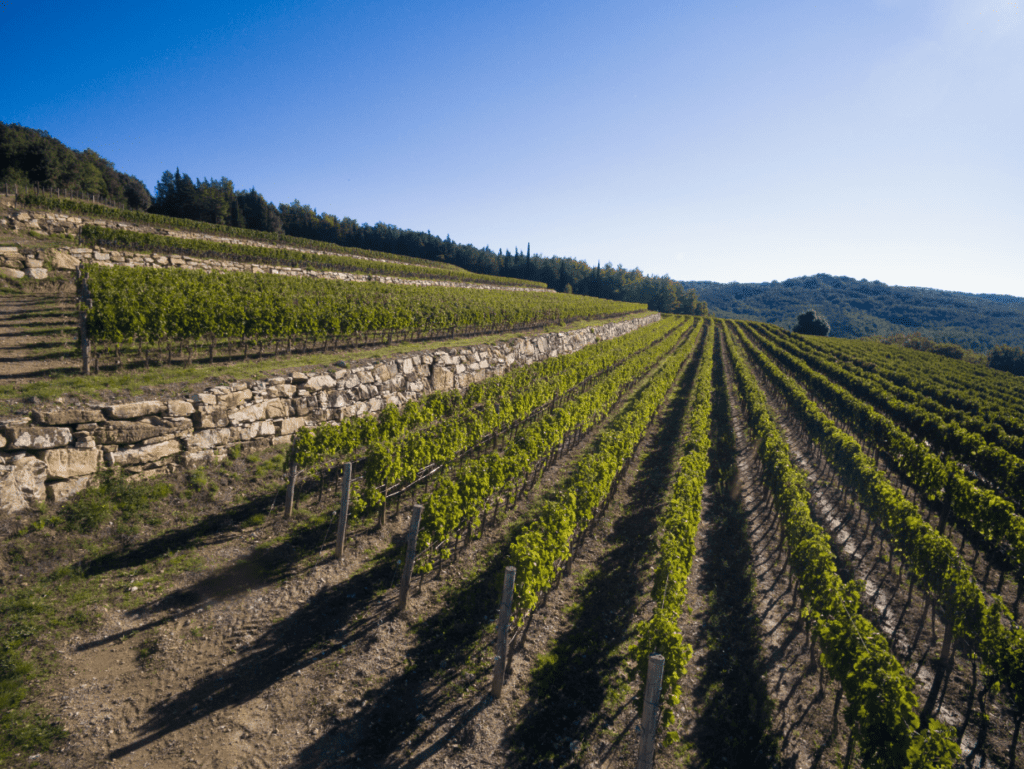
(733,725)
(322,626)
(584,672)
(444,672)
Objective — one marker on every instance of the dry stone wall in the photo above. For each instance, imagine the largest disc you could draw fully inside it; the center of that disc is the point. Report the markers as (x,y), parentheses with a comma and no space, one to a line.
(33,265)
(55,452)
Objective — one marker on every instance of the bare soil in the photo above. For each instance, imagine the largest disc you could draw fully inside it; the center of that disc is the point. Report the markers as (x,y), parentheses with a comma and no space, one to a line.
(38,333)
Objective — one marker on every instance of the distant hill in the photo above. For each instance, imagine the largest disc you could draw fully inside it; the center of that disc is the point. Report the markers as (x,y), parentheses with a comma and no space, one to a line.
(856,308)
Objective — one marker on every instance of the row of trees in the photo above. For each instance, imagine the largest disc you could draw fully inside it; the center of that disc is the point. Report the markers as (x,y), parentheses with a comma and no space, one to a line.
(30,157)
(217,202)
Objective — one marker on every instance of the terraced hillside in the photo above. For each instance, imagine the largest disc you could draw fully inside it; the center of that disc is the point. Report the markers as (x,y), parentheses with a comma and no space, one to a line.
(827,587)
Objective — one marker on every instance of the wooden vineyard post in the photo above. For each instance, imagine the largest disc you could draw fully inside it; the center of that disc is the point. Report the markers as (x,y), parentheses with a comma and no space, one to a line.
(410,556)
(504,613)
(346,481)
(649,719)
(289,497)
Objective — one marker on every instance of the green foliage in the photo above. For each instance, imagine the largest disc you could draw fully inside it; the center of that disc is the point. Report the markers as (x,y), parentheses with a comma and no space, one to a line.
(678,523)
(114,498)
(154,306)
(811,323)
(1007,358)
(21,730)
(883,706)
(862,308)
(365,262)
(32,157)
(541,549)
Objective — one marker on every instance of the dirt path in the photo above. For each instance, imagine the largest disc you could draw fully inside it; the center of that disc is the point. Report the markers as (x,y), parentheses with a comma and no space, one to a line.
(798,708)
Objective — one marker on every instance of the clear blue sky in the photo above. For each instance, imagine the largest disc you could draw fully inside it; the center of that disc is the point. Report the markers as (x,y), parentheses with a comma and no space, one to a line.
(748,141)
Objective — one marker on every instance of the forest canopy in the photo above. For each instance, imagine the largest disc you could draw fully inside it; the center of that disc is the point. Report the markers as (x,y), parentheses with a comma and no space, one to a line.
(32,157)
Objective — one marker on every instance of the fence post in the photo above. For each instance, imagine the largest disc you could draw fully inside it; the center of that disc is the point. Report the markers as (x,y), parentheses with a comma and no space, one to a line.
(501,651)
(649,720)
(410,556)
(346,481)
(289,497)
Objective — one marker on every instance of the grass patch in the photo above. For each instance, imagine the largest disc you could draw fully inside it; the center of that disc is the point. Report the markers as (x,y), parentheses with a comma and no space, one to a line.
(113,499)
(23,731)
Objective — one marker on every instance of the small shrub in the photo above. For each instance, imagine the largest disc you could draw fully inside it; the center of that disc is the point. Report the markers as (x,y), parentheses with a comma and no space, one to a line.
(114,496)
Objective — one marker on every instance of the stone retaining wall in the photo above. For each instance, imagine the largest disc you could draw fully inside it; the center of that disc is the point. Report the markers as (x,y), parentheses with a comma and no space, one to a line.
(17,265)
(55,452)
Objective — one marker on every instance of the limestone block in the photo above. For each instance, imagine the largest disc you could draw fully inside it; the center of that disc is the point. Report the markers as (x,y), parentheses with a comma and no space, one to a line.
(71,463)
(255,430)
(60,492)
(233,400)
(193,458)
(282,390)
(125,432)
(180,408)
(205,399)
(25,437)
(206,420)
(66,416)
(10,272)
(441,378)
(335,400)
(253,413)
(291,425)
(381,372)
(30,262)
(407,366)
(208,439)
(277,409)
(297,378)
(135,410)
(64,261)
(143,454)
(320,382)
(22,485)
